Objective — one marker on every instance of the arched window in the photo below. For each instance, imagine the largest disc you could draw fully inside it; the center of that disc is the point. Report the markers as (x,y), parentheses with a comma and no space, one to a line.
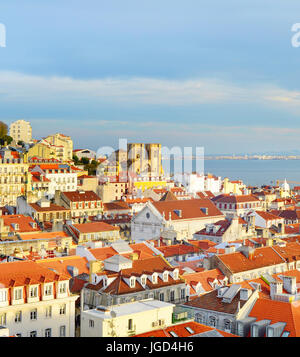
(212,321)
(199,318)
(227,325)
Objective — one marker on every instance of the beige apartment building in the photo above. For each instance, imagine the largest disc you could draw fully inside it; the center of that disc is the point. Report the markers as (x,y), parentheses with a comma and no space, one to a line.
(13,177)
(62,145)
(21,130)
(112,191)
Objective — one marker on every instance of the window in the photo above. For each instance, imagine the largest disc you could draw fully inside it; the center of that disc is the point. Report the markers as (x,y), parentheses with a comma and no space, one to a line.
(165,276)
(62,331)
(227,325)
(48,290)
(48,332)
(48,311)
(130,324)
(132,282)
(182,293)
(161,296)
(18,293)
(33,291)
(3,319)
(3,295)
(62,309)
(18,316)
(63,288)
(33,314)
(212,321)
(199,318)
(33,334)
(254,331)
(175,274)
(144,280)
(91,323)
(154,278)
(172,295)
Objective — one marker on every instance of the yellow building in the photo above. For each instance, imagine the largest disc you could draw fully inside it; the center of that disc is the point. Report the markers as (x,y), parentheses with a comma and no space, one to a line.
(235,187)
(145,185)
(13,177)
(62,145)
(41,150)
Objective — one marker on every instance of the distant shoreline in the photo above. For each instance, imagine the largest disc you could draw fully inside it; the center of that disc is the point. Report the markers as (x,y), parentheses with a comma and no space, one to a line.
(235,158)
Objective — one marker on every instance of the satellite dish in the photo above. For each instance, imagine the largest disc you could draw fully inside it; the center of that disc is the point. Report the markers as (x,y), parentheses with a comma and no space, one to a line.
(113,314)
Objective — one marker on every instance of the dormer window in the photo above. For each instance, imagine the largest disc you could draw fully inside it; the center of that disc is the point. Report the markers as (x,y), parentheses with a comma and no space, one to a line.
(165,276)
(154,278)
(62,288)
(132,282)
(48,290)
(144,280)
(175,274)
(18,293)
(33,291)
(16,226)
(3,295)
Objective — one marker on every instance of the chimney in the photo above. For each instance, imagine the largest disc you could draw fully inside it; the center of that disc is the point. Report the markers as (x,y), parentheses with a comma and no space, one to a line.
(57,197)
(275,288)
(245,294)
(289,284)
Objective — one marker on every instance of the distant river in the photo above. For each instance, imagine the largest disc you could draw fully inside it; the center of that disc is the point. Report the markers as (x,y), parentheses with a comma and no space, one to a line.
(251,172)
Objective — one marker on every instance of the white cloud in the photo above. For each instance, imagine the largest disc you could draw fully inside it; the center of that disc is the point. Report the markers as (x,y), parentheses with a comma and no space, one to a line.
(18,87)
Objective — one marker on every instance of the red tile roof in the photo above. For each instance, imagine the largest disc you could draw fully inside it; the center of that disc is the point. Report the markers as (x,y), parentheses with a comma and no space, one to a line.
(227,198)
(80,196)
(22,273)
(25,223)
(204,277)
(190,209)
(183,330)
(93,227)
(278,311)
(116,206)
(178,249)
(238,262)
(60,264)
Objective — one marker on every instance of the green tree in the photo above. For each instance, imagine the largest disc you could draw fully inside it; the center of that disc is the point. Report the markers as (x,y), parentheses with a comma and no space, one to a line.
(6,140)
(75,159)
(85,161)
(3,129)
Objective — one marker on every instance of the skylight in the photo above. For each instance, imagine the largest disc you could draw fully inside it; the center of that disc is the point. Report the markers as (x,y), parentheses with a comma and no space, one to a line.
(173,334)
(190,330)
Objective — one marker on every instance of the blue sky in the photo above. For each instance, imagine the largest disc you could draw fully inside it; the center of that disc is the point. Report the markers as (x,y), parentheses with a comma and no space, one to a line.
(217,74)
